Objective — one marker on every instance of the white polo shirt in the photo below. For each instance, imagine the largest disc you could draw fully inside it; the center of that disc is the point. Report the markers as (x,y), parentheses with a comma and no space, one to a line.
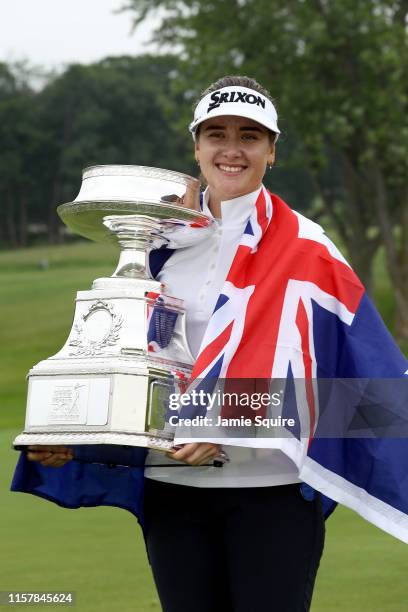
(196,274)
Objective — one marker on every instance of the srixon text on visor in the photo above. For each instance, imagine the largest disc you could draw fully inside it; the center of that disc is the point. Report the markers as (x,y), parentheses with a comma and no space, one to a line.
(219,98)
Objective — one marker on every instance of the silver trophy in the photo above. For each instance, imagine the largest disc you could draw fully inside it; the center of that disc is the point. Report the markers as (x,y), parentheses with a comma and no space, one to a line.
(127,348)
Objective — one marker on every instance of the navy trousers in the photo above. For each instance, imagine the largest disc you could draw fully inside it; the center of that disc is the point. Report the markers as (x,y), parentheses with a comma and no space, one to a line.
(233,549)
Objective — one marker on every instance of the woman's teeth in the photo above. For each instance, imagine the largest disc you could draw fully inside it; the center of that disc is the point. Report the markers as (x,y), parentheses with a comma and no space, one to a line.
(231,168)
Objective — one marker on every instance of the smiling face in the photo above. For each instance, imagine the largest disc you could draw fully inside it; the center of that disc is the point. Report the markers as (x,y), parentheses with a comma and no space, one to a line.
(233,153)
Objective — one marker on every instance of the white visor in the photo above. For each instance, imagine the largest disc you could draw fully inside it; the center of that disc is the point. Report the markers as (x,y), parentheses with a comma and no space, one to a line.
(237,101)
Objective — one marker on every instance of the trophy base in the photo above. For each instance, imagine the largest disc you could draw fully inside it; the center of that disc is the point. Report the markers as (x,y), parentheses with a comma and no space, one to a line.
(74,438)
(111,382)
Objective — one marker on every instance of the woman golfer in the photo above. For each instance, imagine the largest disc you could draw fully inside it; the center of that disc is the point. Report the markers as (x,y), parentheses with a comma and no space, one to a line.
(240,538)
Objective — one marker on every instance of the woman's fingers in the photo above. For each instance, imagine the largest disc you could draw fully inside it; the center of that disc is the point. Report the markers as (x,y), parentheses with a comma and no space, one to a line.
(56,460)
(53,456)
(196,453)
(191,199)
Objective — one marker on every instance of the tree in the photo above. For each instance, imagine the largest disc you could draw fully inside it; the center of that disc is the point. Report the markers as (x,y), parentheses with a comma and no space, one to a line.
(19,145)
(110,112)
(338,69)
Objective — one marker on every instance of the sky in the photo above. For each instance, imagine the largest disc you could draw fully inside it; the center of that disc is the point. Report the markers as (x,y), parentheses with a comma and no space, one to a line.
(53,33)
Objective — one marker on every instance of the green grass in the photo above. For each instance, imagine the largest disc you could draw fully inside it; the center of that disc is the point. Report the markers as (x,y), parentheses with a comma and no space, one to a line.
(96,552)
(99,553)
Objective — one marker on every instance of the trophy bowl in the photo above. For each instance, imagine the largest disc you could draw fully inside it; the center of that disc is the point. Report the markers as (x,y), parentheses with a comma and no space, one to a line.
(152,194)
(127,349)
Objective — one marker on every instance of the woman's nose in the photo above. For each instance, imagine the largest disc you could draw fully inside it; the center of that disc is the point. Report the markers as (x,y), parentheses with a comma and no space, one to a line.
(232,147)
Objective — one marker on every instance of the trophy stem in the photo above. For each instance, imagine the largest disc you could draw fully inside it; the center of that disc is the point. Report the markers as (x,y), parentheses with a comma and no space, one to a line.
(132,264)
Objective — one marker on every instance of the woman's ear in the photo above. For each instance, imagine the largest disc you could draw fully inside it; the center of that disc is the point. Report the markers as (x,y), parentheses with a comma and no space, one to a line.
(271,156)
(196,151)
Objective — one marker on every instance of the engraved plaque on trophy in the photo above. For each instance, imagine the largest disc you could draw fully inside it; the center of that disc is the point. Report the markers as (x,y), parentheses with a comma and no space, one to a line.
(127,349)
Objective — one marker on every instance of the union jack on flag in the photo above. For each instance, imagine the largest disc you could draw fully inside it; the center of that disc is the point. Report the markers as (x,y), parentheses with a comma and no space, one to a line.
(266,333)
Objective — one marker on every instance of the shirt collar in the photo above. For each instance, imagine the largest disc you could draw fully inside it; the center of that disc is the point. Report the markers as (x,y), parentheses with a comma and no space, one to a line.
(236,211)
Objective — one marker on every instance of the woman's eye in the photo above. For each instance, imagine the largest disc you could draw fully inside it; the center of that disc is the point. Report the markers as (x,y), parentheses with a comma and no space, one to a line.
(249,136)
(216,134)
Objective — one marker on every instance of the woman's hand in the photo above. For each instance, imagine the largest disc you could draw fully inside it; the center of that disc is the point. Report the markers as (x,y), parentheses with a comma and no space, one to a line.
(195,453)
(50,456)
(191,199)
